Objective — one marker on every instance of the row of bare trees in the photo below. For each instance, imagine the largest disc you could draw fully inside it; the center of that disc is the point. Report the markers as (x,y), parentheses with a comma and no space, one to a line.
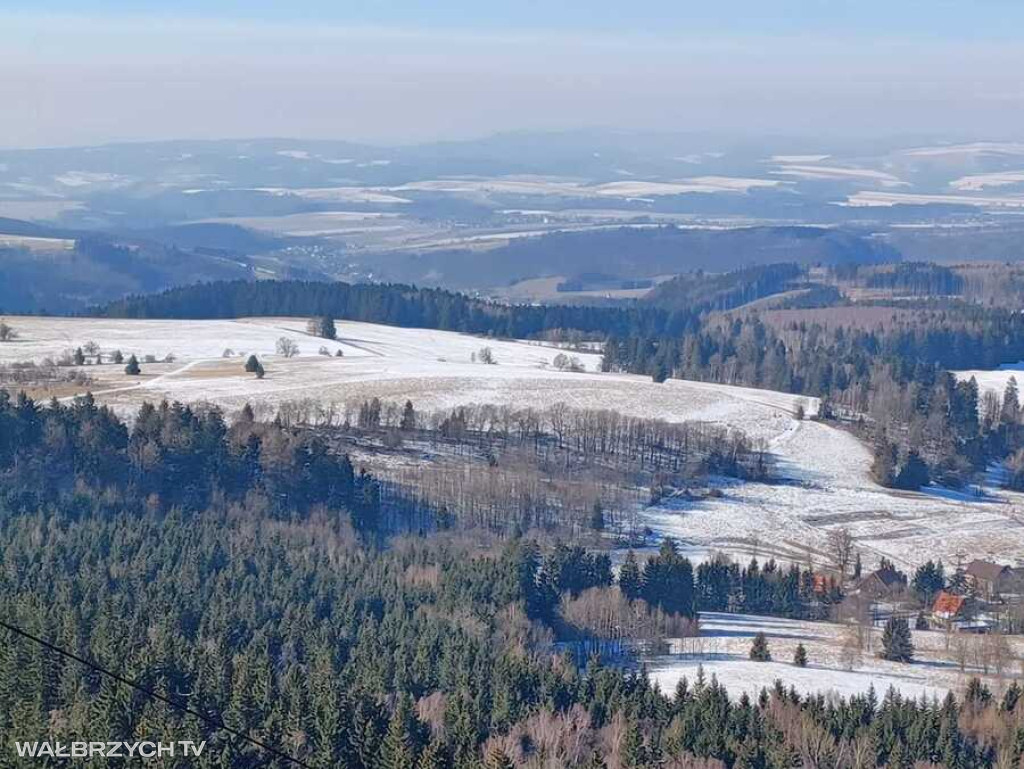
(654,444)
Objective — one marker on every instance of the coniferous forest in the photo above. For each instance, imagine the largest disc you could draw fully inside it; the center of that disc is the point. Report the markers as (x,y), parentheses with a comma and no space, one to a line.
(241,572)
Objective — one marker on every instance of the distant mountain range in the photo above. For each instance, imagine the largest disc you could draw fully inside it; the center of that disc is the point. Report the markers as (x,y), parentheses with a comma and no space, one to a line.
(481,215)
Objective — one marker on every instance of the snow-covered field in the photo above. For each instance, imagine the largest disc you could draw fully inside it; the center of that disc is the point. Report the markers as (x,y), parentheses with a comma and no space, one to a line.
(829,488)
(832,664)
(995,379)
(830,173)
(979,182)
(824,471)
(432,368)
(873,199)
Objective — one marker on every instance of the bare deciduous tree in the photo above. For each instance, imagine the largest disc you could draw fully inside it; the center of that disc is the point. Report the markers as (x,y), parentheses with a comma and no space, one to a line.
(287,347)
(841,550)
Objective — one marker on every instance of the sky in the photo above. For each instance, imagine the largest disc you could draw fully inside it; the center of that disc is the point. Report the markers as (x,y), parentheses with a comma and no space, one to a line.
(404,71)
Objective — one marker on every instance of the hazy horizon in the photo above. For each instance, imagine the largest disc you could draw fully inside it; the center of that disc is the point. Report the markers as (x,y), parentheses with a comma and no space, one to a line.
(403,75)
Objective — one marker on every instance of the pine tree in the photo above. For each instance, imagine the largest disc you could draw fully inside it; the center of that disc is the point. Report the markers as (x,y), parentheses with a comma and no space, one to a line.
(897,645)
(629,577)
(1010,411)
(408,417)
(251,363)
(800,656)
(432,757)
(759,651)
(132,369)
(327,329)
(899,757)
(399,750)
(633,752)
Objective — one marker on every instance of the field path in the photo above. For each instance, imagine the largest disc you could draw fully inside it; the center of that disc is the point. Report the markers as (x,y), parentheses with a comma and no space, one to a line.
(143,385)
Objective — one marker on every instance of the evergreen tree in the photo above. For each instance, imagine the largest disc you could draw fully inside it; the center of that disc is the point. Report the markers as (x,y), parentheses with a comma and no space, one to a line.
(1010,411)
(897,645)
(432,757)
(759,651)
(408,417)
(132,369)
(326,328)
(633,753)
(398,750)
(251,364)
(799,656)
(928,580)
(629,577)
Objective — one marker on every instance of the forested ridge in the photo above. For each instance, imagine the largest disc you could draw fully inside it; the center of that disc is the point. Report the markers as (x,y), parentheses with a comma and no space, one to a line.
(392,304)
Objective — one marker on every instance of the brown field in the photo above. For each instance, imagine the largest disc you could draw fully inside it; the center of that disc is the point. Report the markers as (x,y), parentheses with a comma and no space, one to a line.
(545,290)
(865,317)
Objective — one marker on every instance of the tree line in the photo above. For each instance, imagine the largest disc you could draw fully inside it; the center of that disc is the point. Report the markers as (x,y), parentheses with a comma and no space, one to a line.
(392,304)
(923,422)
(512,469)
(82,456)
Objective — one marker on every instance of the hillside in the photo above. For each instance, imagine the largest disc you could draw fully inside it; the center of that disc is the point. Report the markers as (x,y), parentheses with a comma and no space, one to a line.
(631,252)
(61,270)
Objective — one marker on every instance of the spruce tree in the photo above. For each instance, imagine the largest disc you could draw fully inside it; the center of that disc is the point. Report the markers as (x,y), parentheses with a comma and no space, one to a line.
(327,329)
(800,656)
(408,417)
(629,577)
(897,645)
(633,754)
(251,364)
(432,757)
(398,750)
(132,369)
(759,651)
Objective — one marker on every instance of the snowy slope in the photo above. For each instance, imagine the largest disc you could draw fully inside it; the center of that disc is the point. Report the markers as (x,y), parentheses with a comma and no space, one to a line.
(724,645)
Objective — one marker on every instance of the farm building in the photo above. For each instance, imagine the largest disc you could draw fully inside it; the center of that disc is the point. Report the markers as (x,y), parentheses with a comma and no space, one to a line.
(987,579)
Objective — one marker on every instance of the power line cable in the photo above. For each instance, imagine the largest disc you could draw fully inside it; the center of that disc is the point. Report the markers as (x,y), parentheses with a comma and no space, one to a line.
(214,722)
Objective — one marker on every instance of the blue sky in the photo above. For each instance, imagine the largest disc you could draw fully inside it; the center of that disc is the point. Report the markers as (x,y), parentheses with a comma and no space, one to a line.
(404,71)
(924,18)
